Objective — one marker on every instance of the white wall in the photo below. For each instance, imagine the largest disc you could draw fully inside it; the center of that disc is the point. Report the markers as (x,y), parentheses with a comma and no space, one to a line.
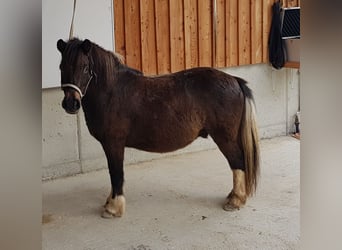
(93,20)
(276,96)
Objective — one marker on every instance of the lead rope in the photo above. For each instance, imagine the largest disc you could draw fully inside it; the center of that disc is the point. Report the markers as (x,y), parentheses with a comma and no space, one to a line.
(92,73)
(72,22)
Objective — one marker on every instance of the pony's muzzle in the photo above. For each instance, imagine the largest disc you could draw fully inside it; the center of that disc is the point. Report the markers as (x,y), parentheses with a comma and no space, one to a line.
(71,105)
(72,100)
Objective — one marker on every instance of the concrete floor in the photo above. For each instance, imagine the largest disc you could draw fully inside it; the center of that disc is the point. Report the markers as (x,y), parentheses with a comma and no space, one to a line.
(176,203)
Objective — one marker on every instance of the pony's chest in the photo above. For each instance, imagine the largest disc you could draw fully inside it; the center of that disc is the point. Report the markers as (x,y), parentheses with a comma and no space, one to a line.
(94,121)
(103,122)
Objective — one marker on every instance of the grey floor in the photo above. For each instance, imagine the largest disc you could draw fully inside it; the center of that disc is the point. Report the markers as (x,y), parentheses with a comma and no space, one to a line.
(176,203)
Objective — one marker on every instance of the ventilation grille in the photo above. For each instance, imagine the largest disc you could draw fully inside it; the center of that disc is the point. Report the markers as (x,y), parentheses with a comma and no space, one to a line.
(290,23)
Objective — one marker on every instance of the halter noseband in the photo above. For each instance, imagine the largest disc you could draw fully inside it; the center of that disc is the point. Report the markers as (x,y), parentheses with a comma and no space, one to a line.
(73,86)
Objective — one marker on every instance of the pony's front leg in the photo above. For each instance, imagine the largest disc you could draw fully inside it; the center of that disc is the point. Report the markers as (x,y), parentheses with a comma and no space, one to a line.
(115,203)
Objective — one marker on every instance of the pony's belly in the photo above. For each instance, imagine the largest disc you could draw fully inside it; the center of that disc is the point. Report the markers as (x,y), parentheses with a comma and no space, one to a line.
(161,145)
(165,132)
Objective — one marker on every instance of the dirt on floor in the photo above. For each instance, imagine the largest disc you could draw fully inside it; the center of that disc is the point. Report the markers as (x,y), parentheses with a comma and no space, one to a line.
(176,203)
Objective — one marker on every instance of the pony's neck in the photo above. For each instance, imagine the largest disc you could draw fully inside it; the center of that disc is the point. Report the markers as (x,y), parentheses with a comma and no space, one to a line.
(105,68)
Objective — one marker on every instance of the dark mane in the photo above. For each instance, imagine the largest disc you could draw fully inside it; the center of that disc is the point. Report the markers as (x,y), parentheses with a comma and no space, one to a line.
(107,64)
(124,68)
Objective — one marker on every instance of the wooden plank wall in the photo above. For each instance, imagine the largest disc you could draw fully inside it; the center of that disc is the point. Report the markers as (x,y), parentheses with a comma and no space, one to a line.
(191,33)
(163,36)
(148,36)
(177,35)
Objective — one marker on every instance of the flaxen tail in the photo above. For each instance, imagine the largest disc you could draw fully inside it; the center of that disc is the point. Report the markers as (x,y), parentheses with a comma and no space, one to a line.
(250,140)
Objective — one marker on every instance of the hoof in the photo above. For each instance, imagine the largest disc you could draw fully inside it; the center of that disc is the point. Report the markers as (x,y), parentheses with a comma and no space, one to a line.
(105,214)
(114,207)
(234,202)
(230,207)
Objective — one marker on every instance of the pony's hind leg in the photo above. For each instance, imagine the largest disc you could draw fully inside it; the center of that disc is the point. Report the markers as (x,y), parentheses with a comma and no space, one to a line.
(234,154)
(237,197)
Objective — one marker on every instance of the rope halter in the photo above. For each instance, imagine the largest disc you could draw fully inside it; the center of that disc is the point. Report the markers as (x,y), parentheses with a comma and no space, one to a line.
(75,87)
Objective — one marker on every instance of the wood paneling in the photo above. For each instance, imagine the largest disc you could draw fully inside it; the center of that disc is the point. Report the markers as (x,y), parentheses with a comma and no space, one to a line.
(232,47)
(177,35)
(291,3)
(163,36)
(205,32)
(132,33)
(256,32)
(266,25)
(244,31)
(220,39)
(119,27)
(191,33)
(148,37)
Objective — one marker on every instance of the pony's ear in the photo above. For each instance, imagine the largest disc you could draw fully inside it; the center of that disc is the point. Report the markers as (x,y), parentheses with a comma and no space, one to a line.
(61,45)
(86,46)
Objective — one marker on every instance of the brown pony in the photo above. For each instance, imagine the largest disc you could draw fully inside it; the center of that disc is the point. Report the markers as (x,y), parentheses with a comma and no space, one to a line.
(124,108)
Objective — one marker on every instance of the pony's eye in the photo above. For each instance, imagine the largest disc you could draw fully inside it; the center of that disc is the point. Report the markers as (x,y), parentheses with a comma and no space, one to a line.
(85,70)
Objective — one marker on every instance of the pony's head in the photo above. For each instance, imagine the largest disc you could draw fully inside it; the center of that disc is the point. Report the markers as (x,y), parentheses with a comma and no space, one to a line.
(76,72)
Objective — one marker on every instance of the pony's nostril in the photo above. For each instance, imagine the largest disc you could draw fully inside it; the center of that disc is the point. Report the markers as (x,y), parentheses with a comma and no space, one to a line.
(77,104)
(70,105)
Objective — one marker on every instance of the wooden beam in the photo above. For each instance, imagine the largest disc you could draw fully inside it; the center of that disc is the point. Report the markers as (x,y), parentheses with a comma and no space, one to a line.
(295,65)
